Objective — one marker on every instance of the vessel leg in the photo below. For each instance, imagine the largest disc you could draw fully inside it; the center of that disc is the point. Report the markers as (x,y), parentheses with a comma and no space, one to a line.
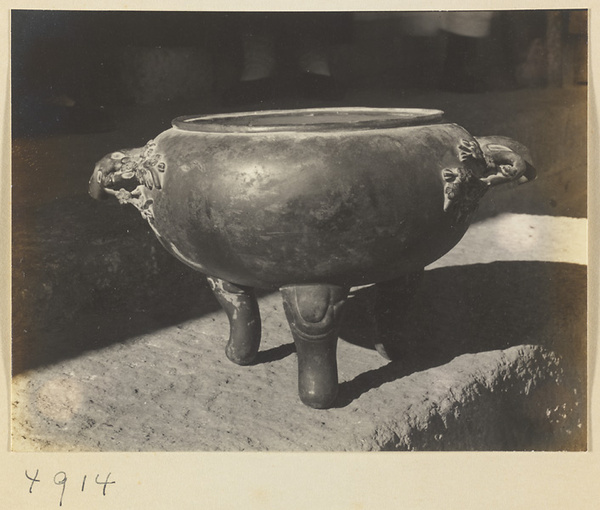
(393,304)
(314,314)
(241,307)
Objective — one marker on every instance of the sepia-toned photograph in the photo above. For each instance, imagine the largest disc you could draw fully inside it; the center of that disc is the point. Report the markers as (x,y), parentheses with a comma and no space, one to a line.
(334,231)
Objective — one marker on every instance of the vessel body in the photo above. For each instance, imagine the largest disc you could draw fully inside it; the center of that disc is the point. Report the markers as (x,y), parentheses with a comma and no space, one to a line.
(341,207)
(345,197)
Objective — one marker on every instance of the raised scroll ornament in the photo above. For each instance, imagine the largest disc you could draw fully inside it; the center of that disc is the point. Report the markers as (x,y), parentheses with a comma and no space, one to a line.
(463,189)
(115,171)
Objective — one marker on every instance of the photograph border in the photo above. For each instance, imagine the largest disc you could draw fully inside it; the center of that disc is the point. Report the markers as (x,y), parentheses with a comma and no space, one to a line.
(306,480)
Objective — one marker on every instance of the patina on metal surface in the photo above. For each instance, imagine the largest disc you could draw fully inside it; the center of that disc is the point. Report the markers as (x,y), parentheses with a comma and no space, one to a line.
(311,202)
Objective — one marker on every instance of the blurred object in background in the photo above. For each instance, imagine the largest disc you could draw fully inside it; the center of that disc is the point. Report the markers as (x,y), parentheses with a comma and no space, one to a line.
(578,36)
(287,53)
(464,31)
(73,71)
(549,47)
(477,51)
(441,49)
(525,44)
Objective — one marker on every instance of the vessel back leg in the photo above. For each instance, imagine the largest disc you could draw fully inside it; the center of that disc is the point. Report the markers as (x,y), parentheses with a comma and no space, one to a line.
(241,307)
(393,303)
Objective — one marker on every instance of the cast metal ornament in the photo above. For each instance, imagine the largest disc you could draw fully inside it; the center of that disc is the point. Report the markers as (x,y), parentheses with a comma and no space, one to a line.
(463,188)
(145,166)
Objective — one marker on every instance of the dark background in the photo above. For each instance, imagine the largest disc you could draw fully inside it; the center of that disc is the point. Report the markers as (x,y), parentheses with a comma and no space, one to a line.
(87,55)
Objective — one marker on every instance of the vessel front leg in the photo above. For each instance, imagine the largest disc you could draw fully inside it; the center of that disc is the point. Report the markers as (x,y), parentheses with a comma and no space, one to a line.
(393,303)
(314,315)
(241,307)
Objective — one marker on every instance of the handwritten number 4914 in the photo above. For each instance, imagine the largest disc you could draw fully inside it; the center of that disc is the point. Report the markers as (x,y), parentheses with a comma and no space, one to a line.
(60,478)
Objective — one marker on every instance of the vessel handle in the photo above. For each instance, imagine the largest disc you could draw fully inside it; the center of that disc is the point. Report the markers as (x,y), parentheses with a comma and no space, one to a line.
(113,171)
(128,171)
(507,161)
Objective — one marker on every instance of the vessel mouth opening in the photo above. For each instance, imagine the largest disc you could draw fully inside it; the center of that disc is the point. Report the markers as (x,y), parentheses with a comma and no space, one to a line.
(311,119)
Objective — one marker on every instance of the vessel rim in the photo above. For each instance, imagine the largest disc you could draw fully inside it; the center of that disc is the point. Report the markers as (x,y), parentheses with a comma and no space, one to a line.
(248,122)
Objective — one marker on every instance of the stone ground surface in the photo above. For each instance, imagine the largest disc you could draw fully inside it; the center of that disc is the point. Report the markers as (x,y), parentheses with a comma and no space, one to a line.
(118,347)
